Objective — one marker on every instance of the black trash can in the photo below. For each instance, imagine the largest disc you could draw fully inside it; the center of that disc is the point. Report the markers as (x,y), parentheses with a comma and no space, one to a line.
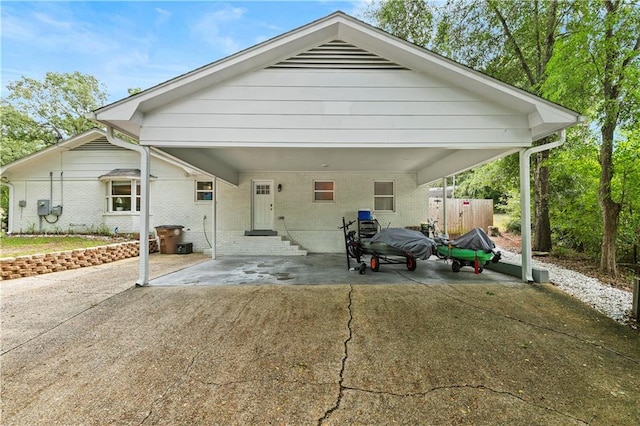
(170,236)
(185,248)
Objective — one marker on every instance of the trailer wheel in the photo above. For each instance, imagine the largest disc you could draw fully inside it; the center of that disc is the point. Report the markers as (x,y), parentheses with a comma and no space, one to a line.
(363,268)
(375,263)
(455,266)
(411,263)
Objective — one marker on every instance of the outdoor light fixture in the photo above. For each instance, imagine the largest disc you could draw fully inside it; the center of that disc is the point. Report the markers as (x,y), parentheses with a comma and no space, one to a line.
(279,187)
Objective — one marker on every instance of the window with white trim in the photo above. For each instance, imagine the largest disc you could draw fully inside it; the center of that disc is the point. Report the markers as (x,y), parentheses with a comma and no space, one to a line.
(324,191)
(384,196)
(123,195)
(204,191)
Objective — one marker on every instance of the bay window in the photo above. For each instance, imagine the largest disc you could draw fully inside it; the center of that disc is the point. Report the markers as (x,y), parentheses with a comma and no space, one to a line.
(123,195)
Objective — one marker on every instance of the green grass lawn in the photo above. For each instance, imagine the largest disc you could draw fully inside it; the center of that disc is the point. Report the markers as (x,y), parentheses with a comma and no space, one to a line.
(26,245)
(500,220)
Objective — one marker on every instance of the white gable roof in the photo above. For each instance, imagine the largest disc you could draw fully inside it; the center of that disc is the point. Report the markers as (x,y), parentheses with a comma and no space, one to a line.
(93,135)
(337,42)
(91,140)
(545,117)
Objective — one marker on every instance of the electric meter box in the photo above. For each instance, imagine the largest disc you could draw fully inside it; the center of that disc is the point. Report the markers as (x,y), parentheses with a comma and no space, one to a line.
(44,207)
(56,210)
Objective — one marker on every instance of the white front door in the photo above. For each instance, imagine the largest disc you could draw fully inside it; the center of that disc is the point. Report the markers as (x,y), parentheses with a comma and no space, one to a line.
(262,205)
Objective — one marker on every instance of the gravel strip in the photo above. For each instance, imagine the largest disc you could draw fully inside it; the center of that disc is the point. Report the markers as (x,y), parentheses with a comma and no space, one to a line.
(612,302)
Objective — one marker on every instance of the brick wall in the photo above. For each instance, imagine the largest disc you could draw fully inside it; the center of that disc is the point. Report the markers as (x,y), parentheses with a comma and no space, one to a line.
(315,225)
(27,266)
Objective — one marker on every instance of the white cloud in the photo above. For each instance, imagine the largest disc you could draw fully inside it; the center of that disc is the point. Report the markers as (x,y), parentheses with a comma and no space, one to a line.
(52,23)
(229,14)
(162,12)
(49,33)
(214,28)
(15,28)
(162,16)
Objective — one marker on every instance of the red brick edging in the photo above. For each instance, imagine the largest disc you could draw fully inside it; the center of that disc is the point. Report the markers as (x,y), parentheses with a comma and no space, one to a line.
(27,266)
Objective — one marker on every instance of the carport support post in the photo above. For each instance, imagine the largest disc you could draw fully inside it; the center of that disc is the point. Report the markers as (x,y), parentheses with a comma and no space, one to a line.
(143,275)
(444,208)
(525,201)
(144,151)
(214,219)
(525,216)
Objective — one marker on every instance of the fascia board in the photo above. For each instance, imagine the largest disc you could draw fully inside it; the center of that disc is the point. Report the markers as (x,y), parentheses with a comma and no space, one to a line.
(328,145)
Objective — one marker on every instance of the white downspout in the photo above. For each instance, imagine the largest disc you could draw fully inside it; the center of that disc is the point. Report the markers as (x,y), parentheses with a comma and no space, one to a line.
(10,207)
(525,201)
(215,218)
(143,264)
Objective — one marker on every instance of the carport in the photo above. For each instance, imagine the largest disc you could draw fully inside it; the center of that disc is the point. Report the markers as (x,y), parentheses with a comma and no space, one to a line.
(337,95)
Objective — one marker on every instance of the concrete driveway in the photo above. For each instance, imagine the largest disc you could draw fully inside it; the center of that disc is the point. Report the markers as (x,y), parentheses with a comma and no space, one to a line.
(85,347)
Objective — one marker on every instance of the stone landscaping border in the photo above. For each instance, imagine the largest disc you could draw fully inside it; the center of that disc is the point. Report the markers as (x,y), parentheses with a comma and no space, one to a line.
(27,266)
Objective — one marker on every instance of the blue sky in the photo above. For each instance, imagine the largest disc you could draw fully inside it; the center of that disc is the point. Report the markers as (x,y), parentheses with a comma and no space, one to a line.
(140,44)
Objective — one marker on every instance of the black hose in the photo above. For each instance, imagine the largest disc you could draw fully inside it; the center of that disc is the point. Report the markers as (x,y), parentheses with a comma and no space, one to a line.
(204,230)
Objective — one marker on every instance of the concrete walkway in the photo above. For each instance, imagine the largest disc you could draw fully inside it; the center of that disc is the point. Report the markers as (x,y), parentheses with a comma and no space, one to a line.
(465,352)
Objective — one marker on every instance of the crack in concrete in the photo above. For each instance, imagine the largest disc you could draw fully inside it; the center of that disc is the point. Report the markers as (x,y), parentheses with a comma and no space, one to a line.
(466,386)
(171,387)
(342,388)
(255,294)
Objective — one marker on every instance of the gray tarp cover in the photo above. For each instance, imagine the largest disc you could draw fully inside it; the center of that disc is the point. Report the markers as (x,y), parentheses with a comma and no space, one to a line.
(407,240)
(476,239)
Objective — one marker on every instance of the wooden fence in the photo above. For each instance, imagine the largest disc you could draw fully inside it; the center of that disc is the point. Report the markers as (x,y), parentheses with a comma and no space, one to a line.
(462,214)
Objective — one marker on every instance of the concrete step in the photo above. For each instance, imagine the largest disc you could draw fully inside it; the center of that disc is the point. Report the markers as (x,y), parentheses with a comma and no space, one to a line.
(259,246)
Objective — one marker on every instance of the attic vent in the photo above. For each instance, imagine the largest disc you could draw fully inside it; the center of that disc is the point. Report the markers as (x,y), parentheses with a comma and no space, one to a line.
(101,144)
(338,55)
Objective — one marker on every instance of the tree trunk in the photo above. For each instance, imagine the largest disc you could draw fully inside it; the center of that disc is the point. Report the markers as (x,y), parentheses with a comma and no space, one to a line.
(611,80)
(542,229)
(610,209)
